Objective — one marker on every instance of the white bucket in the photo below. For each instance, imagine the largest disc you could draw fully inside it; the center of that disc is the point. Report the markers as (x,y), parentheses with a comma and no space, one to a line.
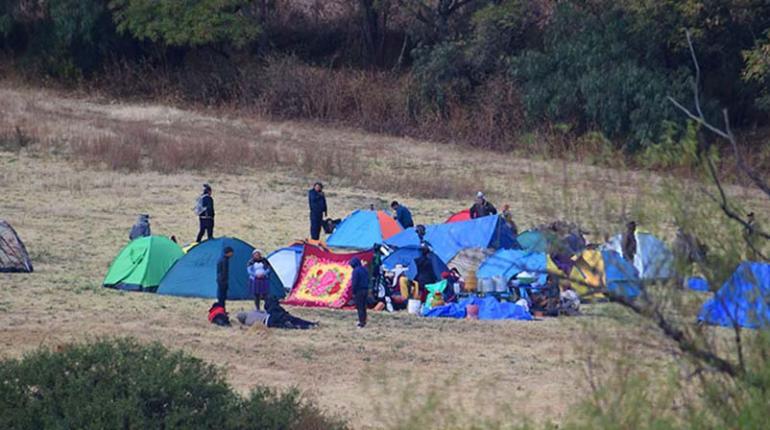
(413,306)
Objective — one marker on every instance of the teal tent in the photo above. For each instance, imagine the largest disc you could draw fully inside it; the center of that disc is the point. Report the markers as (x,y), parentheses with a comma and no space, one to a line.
(142,263)
(195,274)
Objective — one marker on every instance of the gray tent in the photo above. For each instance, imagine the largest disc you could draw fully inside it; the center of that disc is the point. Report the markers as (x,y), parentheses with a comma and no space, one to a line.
(13,254)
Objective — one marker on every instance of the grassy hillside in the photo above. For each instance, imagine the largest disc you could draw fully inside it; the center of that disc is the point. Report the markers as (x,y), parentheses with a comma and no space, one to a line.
(72,197)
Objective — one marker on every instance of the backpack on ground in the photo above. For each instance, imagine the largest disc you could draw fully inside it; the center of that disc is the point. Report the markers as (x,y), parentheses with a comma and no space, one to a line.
(330,224)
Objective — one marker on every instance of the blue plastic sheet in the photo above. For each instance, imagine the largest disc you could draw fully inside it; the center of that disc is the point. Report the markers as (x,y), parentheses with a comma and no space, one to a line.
(449,239)
(489,309)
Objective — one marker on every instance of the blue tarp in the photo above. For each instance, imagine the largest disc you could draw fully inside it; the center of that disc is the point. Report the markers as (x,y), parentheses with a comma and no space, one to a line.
(696,283)
(744,299)
(406,256)
(508,263)
(449,239)
(489,309)
(195,274)
(360,230)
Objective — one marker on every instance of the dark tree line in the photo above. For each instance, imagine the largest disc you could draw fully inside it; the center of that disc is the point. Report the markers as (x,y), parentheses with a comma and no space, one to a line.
(592,65)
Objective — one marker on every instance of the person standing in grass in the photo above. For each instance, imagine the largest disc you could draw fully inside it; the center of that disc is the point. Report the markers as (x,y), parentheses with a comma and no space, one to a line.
(402,214)
(205,210)
(629,242)
(360,281)
(317,203)
(482,207)
(223,276)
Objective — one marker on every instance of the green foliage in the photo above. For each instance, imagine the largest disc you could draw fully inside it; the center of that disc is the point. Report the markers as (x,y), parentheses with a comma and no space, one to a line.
(119,384)
(589,72)
(267,409)
(757,69)
(127,385)
(187,22)
(676,148)
(442,75)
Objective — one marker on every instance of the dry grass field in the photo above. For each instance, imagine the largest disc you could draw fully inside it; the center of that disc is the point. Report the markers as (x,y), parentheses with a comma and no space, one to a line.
(74,213)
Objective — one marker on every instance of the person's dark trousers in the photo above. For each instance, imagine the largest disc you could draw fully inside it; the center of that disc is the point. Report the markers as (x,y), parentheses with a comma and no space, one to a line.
(221,294)
(360,300)
(316,219)
(207,226)
(258,298)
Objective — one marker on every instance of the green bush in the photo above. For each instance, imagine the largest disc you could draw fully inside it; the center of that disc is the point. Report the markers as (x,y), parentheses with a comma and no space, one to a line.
(593,73)
(268,409)
(123,384)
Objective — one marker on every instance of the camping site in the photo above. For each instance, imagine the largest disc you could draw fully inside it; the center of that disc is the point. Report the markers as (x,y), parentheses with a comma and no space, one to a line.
(74,217)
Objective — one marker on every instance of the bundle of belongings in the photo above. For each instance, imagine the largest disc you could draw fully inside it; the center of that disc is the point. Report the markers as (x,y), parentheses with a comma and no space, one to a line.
(218,315)
(274,317)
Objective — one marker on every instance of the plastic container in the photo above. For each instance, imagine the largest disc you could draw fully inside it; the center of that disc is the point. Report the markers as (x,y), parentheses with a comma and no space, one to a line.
(470,282)
(500,285)
(472,312)
(486,285)
(413,306)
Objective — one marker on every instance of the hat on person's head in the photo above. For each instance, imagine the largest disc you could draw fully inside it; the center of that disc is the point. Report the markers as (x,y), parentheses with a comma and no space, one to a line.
(479,195)
(206,187)
(257,251)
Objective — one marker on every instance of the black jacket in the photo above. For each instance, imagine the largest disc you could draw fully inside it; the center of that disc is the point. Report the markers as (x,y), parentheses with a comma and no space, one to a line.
(478,211)
(360,276)
(208,204)
(223,271)
(425,274)
(317,202)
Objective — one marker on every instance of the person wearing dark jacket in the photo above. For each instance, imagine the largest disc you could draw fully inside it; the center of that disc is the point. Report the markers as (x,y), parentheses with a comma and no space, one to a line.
(206,216)
(482,207)
(141,228)
(629,242)
(317,203)
(223,275)
(360,281)
(425,273)
(403,214)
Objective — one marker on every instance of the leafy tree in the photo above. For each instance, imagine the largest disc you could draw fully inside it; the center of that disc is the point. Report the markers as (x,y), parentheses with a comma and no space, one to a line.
(60,38)
(757,69)
(188,23)
(591,72)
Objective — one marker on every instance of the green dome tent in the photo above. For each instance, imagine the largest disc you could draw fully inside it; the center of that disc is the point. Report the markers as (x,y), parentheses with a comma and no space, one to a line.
(142,263)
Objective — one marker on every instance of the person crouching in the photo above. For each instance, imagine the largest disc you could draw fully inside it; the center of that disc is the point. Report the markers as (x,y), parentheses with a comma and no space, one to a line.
(360,281)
